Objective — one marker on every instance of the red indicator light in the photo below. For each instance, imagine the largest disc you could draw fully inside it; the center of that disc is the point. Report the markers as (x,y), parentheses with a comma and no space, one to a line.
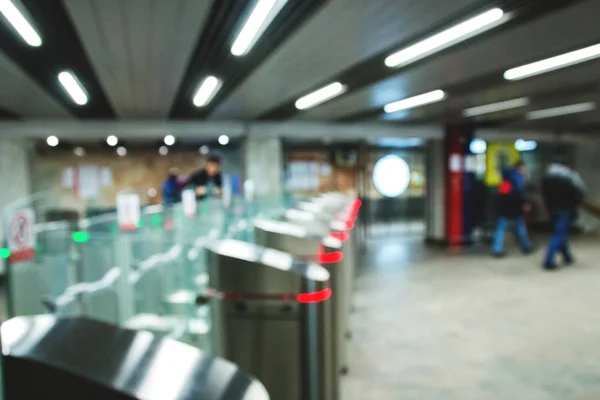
(343,236)
(349,225)
(168,225)
(315,297)
(357,204)
(329,258)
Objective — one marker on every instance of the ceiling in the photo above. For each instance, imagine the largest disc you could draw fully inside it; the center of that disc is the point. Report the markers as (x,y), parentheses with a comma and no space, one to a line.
(144,60)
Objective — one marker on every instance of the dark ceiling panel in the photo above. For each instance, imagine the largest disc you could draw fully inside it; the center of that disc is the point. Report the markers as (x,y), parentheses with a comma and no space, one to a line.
(373,70)
(5,114)
(61,50)
(212,54)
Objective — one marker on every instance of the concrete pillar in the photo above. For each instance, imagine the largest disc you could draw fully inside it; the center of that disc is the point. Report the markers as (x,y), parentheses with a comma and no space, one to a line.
(264,166)
(586,159)
(435,195)
(15,178)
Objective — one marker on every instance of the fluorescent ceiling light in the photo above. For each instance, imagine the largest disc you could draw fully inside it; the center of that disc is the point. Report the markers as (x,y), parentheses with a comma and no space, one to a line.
(52,141)
(261,16)
(564,110)
(20,23)
(416,101)
(525,145)
(447,38)
(554,63)
(478,146)
(79,151)
(204,150)
(319,96)
(73,87)
(122,151)
(495,107)
(163,150)
(207,90)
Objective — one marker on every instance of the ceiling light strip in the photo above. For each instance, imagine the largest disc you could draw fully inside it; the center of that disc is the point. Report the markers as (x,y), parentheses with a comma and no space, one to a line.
(554,63)
(319,96)
(207,91)
(495,107)
(564,110)
(73,87)
(261,16)
(416,101)
(20,23)
(447,38)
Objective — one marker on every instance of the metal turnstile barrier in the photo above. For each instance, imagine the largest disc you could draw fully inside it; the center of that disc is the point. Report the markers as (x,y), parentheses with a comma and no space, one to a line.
(271,315)
(303,245)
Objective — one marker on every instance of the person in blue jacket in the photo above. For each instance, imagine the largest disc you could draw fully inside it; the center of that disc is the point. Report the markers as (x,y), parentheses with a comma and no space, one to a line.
(171,189)
(564,191)
(512,205)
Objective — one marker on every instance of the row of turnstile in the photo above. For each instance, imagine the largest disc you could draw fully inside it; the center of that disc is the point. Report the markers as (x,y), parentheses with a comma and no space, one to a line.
(280,306)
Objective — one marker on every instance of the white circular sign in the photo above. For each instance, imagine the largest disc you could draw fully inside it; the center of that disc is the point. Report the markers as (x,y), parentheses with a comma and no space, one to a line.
(391,176)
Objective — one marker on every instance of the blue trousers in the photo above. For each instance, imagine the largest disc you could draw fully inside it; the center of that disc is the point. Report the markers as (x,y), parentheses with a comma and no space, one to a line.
(520,232)
(559,242)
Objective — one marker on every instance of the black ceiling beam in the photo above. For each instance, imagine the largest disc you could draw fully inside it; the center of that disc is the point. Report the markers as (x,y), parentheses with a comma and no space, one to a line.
(61,50)
(372,70)
(212,55)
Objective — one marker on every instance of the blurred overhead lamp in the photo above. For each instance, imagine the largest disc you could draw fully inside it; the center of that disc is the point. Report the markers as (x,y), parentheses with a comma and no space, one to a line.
(553,63)
(79,151)
(262,14)
(20,23)
(525,145)
(495,107)
(223,140)
(319,96)
(121,151)
(558,111)
(207,90)
(169,140)
(52,141)
(73,87)
(416,101)
(204,150)
(112,140)
(478,146)
(163,150)
(449,37)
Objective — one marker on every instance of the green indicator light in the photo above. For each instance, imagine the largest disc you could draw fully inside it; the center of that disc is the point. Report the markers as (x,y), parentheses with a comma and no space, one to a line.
(140,224)
(156,220)
(81,237)
(4,253)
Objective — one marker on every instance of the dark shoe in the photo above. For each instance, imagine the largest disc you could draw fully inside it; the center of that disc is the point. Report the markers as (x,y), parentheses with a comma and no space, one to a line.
(529,251)
(550,267)
(569,262)
(498,255)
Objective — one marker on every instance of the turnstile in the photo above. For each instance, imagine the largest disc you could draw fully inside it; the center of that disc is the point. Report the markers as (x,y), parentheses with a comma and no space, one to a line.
(45,357)
(271,315)
(303,245)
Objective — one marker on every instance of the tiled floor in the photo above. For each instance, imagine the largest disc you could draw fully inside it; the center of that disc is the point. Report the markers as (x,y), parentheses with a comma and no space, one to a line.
(432,325)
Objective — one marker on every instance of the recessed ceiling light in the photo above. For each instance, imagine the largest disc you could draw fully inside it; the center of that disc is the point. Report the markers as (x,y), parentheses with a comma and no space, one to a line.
(112,140)
(79,151)
(169,140)
(416,101)
(163,150)
(558,111)
(52,141)
(20,23)
(553,63)
(152,192)
(321,95)
(204,150)
(207,90)
(73,87)
(122,151)
(223,140)
(261,16)
(495,107)
(447,38)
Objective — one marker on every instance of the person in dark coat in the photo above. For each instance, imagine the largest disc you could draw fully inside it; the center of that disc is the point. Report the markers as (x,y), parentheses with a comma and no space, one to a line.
(512,205)
(563,191)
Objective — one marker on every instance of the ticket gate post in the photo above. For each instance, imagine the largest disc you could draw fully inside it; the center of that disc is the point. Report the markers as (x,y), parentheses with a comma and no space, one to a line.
(303,245)
(337,229)
(271,315)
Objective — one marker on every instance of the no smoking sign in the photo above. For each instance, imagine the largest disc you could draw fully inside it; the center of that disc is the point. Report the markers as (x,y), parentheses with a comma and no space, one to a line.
(21,235)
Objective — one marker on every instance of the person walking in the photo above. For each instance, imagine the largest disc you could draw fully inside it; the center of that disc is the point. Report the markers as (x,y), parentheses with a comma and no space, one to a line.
(563,191)
(512,205)
(171,190)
